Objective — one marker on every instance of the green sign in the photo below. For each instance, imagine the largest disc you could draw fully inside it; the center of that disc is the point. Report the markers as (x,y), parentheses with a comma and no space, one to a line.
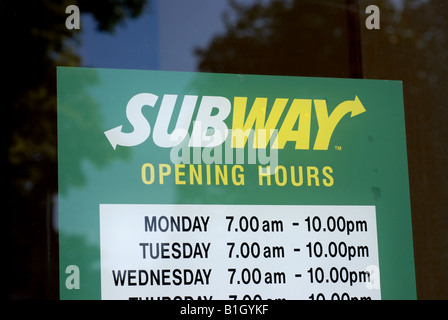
(177,185)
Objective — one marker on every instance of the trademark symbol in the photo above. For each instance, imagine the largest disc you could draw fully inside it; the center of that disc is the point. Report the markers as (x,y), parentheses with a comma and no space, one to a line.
(338,148)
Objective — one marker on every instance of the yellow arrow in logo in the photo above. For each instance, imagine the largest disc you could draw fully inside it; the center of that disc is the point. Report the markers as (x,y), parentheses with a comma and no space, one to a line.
(327,124)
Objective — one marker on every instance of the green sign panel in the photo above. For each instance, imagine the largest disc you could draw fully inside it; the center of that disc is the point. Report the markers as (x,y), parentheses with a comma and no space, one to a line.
(177,185)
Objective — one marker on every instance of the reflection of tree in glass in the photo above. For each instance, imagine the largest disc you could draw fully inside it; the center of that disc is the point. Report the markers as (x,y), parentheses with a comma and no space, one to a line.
(39,41)
(310,38)
(412,47)
(307,38)
(35,41)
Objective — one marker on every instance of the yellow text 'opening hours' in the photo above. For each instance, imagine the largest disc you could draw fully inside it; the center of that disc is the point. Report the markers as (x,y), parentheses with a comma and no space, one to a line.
(198,174)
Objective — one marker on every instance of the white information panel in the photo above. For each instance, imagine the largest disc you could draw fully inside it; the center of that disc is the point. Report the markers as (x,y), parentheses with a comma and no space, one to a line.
(222,252)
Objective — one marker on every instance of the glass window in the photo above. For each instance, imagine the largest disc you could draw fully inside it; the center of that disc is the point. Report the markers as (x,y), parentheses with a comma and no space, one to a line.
(393,40)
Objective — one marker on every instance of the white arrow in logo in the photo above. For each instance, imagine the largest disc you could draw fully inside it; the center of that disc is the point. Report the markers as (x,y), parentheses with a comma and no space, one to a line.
(134,114)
